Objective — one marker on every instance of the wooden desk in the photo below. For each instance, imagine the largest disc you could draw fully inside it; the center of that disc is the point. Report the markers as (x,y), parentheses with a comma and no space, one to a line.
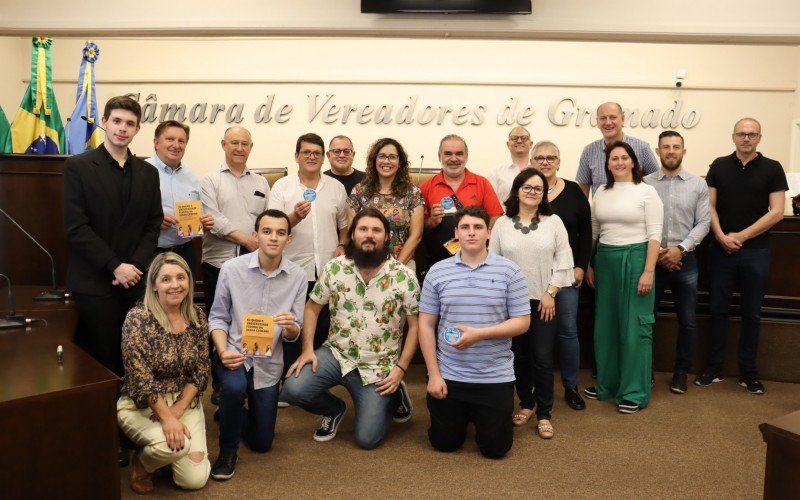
(59,427)
(781,478)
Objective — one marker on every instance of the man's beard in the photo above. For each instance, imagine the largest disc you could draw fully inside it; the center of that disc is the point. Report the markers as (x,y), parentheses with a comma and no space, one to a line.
(675,164)
(366,258)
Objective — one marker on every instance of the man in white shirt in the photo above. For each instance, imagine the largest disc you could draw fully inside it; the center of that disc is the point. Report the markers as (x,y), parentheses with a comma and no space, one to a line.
(519,144)
(234,197)
(317,208)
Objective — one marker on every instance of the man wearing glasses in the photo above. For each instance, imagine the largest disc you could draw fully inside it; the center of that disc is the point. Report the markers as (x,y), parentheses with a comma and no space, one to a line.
(340,156)
(747,195)
(449,190)
(591,168)
(519,144)
(317,208)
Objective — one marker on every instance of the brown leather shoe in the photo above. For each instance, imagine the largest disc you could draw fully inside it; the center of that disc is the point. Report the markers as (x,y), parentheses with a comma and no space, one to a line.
(141,480)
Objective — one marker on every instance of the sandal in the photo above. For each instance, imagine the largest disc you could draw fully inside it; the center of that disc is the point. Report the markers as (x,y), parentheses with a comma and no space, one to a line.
(545,429)
(141,480)
(522,417)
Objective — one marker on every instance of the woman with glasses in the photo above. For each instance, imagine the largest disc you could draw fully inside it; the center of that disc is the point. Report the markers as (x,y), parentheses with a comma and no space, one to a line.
(570,204)
(627,216)
(388,188)
(535,239)
(165,353)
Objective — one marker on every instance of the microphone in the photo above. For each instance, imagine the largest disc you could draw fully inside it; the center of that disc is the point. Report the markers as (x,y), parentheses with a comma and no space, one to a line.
(11,320)
(91,121)
(54,293)
(419,171)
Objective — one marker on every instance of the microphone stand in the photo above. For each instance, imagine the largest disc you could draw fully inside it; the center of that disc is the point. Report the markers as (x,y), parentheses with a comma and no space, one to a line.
(11,320)
(54,293)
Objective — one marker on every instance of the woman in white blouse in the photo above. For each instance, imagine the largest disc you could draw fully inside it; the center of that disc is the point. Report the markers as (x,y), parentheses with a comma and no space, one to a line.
(535,239)
(627,216)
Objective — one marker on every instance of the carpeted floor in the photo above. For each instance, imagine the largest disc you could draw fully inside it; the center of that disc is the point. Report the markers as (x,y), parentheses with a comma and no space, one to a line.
(703,444)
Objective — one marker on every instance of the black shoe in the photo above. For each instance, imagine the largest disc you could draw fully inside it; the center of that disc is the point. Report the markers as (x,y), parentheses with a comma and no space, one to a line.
(628,407)
(403,412)
(124,457)
(327,429)
(594,373)
(215,397)
(707,378)
(678,385)
(574,399)
(225,466)
(590,392)
(752,385)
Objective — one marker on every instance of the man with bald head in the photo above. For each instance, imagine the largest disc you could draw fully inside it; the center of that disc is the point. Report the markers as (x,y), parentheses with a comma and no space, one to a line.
(519,145)
(234,196)
(747,193)
(591,168)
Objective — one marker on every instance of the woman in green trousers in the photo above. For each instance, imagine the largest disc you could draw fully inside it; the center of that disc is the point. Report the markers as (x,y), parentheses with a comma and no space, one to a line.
(627,217)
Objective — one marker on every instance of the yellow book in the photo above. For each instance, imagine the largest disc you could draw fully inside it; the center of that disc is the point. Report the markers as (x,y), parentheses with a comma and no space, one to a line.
(258,332)
(188,214)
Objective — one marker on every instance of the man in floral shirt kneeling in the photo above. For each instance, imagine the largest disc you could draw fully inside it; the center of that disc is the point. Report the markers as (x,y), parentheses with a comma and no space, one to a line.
(371,295)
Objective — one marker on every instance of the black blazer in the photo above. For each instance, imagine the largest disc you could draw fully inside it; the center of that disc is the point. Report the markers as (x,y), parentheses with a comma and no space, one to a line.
(99,236)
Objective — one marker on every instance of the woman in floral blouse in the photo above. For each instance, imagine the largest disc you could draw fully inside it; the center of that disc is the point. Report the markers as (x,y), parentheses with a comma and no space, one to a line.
(388,188)
(165,353)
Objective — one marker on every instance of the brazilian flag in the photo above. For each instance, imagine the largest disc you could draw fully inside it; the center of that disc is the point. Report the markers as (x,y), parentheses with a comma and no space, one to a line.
(4,129)
(37,127)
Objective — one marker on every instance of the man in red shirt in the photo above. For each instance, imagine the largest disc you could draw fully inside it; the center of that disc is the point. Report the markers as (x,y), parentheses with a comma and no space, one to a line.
(452,188)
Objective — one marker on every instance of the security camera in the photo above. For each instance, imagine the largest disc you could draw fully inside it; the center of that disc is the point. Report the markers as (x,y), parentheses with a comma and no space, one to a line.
(678,83)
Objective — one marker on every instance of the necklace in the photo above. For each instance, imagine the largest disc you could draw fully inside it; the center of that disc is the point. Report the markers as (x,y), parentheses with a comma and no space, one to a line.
(554,186)
(534,224)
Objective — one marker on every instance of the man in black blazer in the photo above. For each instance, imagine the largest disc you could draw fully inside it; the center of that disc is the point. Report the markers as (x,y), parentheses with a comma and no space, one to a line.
(112,218)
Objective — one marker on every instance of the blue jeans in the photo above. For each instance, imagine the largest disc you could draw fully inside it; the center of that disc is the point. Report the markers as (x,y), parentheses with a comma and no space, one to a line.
(310,392)
(683,284)
(569,350)
(256,424)
(749,268)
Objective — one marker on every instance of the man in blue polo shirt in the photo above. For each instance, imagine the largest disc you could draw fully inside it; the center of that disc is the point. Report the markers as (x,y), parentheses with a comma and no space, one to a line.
(591,167)
(178,183)
(479,300)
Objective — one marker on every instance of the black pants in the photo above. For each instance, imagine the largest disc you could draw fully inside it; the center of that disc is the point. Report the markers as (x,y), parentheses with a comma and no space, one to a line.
(487,406)
(533,364)
(210,278)
(187,252)
(292,350)
(100,319)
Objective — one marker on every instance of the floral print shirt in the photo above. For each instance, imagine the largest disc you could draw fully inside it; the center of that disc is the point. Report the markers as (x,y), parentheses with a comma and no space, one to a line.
(397,210)
(367,319)
(158,362)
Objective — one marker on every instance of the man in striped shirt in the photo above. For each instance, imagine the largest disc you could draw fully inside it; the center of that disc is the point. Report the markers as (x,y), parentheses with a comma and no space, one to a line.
(482,298)
(591,167)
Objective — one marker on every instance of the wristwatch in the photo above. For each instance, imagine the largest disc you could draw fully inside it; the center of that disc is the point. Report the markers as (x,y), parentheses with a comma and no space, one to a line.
(683,250)
(551,293)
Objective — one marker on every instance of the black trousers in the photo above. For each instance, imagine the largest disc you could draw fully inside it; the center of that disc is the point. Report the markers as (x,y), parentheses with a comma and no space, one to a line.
(210,278)
(187,252)
(487,406)
(100,319)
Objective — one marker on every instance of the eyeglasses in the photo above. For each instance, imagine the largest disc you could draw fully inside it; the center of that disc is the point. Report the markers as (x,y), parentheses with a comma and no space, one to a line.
(311,154)
(747,135)
(338,152)
(542,159)
(383,157)
(527,188)
(518,138)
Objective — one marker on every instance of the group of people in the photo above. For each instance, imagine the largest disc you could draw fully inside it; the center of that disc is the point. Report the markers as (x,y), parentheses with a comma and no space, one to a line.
(330,258)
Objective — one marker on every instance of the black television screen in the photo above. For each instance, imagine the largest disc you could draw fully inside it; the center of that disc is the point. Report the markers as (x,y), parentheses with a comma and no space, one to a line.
(446,6)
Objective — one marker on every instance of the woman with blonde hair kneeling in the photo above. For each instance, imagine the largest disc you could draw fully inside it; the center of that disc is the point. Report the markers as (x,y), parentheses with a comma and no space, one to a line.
(165,354)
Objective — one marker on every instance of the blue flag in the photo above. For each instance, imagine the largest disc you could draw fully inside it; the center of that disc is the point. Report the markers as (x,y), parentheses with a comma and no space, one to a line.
(83,132)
